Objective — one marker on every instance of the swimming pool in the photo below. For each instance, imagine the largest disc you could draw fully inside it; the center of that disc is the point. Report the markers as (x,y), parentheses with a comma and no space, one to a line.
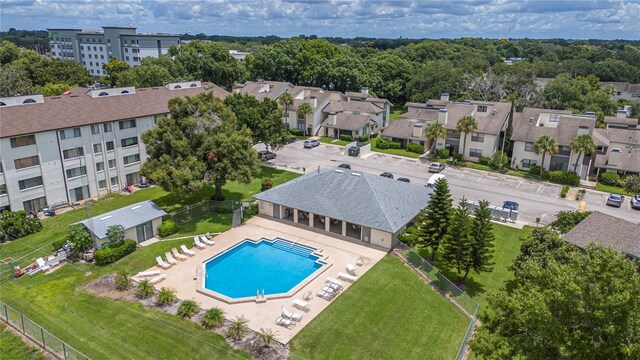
(273,266)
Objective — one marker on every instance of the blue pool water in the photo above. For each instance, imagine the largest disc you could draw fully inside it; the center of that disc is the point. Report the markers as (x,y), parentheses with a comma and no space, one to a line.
(276,267)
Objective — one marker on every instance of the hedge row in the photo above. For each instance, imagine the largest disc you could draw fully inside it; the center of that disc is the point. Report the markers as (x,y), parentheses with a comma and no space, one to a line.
(167,228)
(383,143)
(415,148)
(110,254)
(346,137)
(296,132)
(561,177)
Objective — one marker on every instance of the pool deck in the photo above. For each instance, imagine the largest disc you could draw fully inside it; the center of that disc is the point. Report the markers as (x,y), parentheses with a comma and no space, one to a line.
(337,252)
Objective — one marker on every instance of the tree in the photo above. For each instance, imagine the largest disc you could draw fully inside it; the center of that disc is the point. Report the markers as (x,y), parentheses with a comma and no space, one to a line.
(305,109)
(115,234)
(544,145)
(541,246)
(212,318)
(582,144)
(465,125)
(585,307)
(237,328)
(79,238)
(286,100)
(434,132)
(199,144)
(122,280)
(508,132)
(267,337)
(144,76)
(144,289)
(632,184)
(16,224)
(499,159)
(481,239)
(55,89)
(113,68)
(263,117)
(14,80)
(567,220)
(433,223)
(456,245)
(9,52)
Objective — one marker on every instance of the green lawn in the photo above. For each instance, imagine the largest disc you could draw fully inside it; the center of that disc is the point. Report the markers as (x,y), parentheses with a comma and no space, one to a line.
(400,152)
(612,189)
(396,112)
(208,224)
(328,140)
(12,347)
(387,314)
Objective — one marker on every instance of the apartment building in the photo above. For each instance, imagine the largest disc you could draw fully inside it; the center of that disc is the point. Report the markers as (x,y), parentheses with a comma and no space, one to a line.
(93,48)
(619,149)
(66,149)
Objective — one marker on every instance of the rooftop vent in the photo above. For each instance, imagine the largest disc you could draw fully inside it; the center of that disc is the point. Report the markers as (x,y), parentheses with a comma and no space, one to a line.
(338,171)
(136,207)
(183,85)
(105,218)
(111,92)
(21,100)
(355,174)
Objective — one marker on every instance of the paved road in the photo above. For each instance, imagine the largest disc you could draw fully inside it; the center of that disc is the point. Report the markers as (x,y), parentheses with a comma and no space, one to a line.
(536,199)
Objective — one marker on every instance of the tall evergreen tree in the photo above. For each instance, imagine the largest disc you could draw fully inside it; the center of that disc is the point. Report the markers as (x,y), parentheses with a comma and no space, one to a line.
(482,240)
(433,223)
(508,132)
(456,246)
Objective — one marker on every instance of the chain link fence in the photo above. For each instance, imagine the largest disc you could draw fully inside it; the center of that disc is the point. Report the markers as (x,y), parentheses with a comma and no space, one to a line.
(203,209)
(38,334)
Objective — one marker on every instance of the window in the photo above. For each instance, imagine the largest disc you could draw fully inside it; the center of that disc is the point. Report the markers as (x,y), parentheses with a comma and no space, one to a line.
(126,124)
(100,166)
(29,183)
(102,184)
(73,153)
(112,163)
(79,193)
(477,137)
(129,141)
(90,58)
(109,145)
(75,172)
(453,134)
(126,58)
(114,181)
(554,117)
(528,146)
(95,48)
(3,189)
(131,159)
(475,152)
(95,129)
(528,163)
(106,127)
(97,148)
(23,141)
(126,49)
(26,162)
(69,133)
(34,204)
(482,108)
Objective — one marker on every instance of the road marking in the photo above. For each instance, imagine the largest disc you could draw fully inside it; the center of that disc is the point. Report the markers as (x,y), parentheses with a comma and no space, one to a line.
(498,182)
(479,179)
(540,187)
(519,183)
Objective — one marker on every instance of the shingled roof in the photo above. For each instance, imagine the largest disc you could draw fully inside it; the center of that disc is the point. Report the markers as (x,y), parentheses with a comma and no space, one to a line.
(128,217)
(597,228)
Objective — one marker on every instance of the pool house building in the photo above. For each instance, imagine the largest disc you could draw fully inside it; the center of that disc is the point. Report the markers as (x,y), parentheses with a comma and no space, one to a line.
(354,205)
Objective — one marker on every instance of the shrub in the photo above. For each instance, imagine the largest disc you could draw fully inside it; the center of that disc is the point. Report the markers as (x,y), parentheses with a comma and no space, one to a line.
(296,132)
(363,138)
(632,184)
(166,296)
(443,153)
(144,289)
(484,160)
(374,135)
(384,143)
(16,225)
(58,244)
(212,318)
(561,177)
(409,239)
(610,178)
(346,137)
(564,191)
(566,220)
(457,157)
(188,308)
(115,234)
(167,228)
(113,253)
(415,148)
(395,145)
(498,160)
(266,184)
(79,238)
(267,337)
(535,169)
(237,328)
(122,281)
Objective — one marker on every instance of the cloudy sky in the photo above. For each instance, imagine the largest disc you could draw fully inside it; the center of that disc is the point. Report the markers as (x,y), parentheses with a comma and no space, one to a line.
(614,19)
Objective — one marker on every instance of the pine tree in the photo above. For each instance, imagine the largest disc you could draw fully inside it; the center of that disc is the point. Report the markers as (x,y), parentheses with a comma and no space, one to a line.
(481,240)
(457,244)
(433,222)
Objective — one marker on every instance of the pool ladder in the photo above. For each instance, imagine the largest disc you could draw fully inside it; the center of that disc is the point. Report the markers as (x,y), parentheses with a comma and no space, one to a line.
(260,298)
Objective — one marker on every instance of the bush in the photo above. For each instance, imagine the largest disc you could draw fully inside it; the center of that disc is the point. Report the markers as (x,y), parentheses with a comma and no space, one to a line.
(345,137)
(566,220)
(237,328)
(110,254)
(266,184)
(58,244)
(374,135)
(484,160)
(535,169)
(188,308)
(564,191)
(457,157)
(144,289)
(610,178)
(167,228)
(296,132)
(384,143)
(408,239)
(363,138)
(212,318)
(561,177)
(415,148)
(443,153)
(166,296)
(122,281)
(14,225)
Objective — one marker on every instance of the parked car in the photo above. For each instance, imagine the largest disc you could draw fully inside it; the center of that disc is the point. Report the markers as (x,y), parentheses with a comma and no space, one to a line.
(436,168)
(48,211)
(403,179)
(354,151)
(635,202)
(431,183)
(308,144)
(266,155)
(143,185)
(344,166)
(387,175)
(615,200)
(511,205)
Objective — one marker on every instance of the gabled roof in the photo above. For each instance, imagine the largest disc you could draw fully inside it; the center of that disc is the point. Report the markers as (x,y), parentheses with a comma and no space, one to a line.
(597,228)
(128,217)
(352,106)
(427,115)
(403,129)
(264,89)
(356,197)
(629,159)
(347,121)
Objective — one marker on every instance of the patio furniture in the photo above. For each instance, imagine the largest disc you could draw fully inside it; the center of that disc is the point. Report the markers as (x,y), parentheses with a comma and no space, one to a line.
(351,269)
(158,278)
(207,241)
(178,255)
(302,305)
(162,263)
(197,243)
(170,258)
(347,277)
(184,249)
(149,273)
(284,322)
(325,295)
(329,290)
(291,315)
(336,282)
(307,295)
(333,286)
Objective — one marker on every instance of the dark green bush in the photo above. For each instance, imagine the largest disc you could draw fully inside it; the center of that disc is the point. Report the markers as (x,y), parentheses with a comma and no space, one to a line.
(346,137)
(14,225)
(416,148)
(266,184)
(443,153)
(296,132)
(564,191)
(561,177)
(110,254)
(58,244)
(484,160)
(363,138)
(167,228)
(534,169)
(610,178)
(374,135)
(457,157)
(395,145)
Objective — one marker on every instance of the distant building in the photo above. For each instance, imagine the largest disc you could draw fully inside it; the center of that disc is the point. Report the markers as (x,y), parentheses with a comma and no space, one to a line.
(622,90)
(239,55)
(93,48)
(622,235)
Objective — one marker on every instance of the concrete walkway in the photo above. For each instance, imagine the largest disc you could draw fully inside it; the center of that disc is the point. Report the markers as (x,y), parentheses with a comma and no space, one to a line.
(236,220)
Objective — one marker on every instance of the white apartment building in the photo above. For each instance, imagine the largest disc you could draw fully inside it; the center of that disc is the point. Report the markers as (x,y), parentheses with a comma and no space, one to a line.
(66,149)
(93,48)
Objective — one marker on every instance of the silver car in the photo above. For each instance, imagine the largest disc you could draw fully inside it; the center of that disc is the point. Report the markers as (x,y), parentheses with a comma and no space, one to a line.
(308,144)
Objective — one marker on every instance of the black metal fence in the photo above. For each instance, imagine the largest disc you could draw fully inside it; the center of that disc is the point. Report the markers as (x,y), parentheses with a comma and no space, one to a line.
(203,209)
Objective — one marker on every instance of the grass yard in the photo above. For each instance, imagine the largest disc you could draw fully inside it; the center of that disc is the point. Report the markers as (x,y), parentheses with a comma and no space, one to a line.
(399,152)
(328,140)
(612,189)
(396,111)
(12,346)
(387,314)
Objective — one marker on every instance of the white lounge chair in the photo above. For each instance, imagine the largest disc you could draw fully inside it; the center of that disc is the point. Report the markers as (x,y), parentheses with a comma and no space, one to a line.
(197,243)
(158,278)
(339,283)
(149,273)
(170,258)
(177,254)
(351,269)
(291,315)
(333,286)
(284,322)
(184,249)
(162,263)
(347,277)
(324,294)
(301,304)
(207,241)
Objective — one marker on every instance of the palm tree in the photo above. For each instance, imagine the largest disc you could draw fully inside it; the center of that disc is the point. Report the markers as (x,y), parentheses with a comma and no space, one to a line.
(582,144)
(435,132)
(285,100)
(237,328)
(212,318)
(543,145)
(166,296)
(144,289)
(305,109)
(267,336)
(188,308)
(465,125)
